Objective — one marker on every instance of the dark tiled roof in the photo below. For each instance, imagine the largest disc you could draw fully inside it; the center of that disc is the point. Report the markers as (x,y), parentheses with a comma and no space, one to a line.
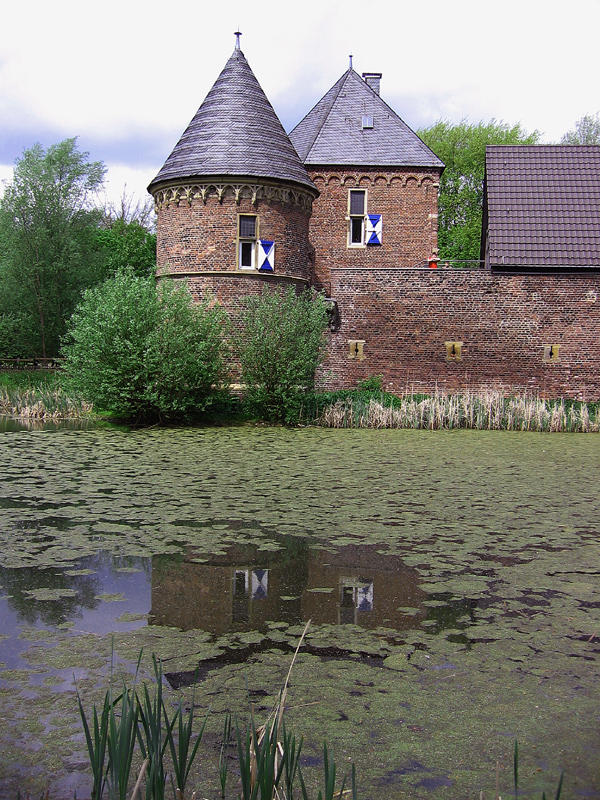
(235,132)
(543,205)
(332,132)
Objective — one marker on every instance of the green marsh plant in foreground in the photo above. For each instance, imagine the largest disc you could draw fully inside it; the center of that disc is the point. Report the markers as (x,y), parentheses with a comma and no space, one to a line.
(269,764)
(516,779)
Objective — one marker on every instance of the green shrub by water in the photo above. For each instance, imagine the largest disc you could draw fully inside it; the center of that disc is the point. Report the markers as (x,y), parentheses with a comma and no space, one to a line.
(280,343)
(145,352)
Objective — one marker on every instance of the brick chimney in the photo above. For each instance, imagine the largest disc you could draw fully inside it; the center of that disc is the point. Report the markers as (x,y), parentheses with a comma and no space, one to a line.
(373,79)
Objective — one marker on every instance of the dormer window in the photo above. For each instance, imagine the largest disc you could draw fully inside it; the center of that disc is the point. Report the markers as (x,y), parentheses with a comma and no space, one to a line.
(247,234)
(357,207)
(367,122)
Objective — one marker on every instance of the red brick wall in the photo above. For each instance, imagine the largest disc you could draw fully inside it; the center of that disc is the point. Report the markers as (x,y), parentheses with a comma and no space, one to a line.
(407,201)
(201,236)
(406,315)
(230,290)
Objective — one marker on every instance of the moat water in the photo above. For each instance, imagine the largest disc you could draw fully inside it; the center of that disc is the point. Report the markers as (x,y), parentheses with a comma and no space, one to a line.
(451,580)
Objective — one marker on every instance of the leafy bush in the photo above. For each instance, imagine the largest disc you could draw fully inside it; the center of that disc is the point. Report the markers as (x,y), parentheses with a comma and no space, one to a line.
(140,351)
(280,345)
(374,383)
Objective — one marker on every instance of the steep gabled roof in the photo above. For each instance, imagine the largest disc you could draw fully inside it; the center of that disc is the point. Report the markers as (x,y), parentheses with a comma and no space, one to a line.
(542,206)
(332,132)
(235,132)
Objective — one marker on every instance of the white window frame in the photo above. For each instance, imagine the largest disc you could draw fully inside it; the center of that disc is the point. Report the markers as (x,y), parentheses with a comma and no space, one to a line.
(246,240)
(357,219)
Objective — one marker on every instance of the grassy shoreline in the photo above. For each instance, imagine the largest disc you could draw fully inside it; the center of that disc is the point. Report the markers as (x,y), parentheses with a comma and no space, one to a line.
(41,396)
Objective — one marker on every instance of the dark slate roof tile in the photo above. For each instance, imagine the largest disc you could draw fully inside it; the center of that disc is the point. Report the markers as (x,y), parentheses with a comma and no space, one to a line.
(235,132)
(543,205)
(332,133)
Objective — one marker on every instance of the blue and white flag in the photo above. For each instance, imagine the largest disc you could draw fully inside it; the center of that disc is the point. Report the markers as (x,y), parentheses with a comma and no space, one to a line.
(266,255)
(374,228)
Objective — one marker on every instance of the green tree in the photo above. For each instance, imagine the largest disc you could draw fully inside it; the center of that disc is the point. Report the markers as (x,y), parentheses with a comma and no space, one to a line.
(48,249)
(280,344)
(13,341)
(145,352)
(127,244)
(586,131)
(462,149)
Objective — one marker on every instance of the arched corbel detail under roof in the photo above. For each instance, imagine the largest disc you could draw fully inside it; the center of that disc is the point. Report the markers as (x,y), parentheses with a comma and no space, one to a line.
(385,178)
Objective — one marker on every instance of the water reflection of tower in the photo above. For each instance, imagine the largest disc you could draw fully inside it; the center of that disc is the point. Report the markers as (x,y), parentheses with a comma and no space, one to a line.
(245,588)
(238,590)
(249,585)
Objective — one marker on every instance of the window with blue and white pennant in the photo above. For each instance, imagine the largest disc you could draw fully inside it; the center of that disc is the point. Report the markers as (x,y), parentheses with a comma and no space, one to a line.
(374,228)
(266,255)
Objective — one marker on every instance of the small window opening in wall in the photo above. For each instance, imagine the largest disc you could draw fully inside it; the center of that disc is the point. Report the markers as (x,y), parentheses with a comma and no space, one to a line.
(357,203)
(453,351)
(356,349)
(367,122)
(247,241)
(551,352)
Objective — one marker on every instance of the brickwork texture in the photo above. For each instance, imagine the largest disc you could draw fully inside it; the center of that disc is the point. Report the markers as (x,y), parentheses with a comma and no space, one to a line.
(407,202)
(505,324)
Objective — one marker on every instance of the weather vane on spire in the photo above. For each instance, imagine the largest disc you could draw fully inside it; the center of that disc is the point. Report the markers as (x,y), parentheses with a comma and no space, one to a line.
(237,35)
(351,61)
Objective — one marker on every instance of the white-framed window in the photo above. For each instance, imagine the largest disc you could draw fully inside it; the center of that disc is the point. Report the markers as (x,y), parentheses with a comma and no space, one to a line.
(357,215)
(247,236)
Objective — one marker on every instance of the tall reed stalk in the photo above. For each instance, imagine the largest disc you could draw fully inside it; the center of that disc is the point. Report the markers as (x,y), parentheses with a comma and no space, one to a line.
(486,410)
(269,765)
(42,403)
(122,730)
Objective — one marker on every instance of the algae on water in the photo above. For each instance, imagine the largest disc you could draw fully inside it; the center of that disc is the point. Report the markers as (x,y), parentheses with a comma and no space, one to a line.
(452,579)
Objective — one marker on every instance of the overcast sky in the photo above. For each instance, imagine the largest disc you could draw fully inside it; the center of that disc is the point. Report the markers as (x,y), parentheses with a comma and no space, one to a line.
(126,76)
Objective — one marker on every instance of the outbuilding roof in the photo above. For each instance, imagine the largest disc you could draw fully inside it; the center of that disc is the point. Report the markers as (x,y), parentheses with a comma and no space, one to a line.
(235,132)
(542,207)
(333,133)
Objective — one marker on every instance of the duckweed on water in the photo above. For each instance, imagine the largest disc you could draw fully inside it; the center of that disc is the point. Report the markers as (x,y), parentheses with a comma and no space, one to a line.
(482,548)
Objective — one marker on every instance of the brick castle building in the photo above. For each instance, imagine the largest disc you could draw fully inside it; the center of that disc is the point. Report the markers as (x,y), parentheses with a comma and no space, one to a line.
(347,203)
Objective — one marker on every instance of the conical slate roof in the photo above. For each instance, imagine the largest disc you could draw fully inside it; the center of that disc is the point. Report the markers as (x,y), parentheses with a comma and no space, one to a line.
(235,132)
(332,133)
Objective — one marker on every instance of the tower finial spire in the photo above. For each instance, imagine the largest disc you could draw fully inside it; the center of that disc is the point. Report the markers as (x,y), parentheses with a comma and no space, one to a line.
(237,35)
(351,57)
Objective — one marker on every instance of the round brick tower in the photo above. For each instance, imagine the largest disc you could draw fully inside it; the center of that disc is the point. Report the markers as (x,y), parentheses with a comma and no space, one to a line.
(234,199)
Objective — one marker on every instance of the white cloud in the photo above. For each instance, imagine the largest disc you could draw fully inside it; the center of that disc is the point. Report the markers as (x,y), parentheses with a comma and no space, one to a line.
(127,76)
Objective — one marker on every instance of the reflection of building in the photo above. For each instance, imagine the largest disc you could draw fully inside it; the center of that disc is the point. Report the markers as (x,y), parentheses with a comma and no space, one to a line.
(244,589)
(369,589)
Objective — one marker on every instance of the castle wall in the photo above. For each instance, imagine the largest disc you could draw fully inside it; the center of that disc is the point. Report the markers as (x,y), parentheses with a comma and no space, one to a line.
(407,200)
(505,325)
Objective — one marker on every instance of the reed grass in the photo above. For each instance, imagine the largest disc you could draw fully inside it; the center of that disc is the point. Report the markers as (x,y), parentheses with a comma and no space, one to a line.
(269,764)
(484,410)
(497,795)
(46,403)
